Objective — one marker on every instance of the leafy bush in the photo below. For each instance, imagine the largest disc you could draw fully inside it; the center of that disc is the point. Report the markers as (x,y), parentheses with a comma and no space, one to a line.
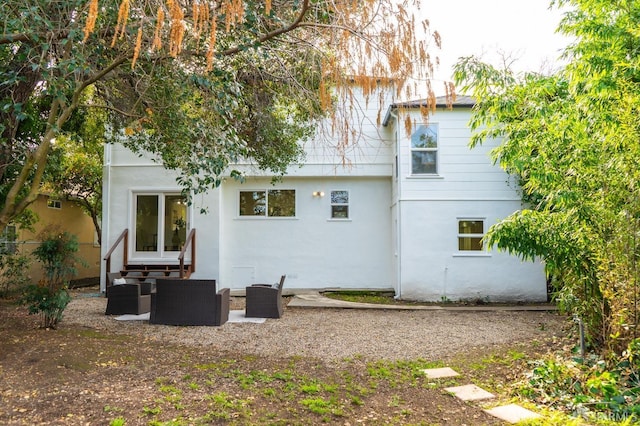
(13,272)
(593,388)
(57,253)
(49,303)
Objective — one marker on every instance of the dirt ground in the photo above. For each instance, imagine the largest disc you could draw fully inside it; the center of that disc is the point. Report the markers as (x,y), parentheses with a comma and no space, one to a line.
(81,376)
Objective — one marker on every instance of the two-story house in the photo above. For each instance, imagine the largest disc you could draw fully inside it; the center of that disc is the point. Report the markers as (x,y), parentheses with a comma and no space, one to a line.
(407,213)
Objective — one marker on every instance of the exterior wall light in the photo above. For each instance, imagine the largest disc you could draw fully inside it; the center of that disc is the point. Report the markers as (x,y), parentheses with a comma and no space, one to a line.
(318,194)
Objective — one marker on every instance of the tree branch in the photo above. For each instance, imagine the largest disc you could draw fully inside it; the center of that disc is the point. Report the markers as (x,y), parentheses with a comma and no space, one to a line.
(12,38)
(111,108)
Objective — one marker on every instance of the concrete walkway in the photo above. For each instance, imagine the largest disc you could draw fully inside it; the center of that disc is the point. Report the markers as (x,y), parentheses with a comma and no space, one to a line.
(310,299)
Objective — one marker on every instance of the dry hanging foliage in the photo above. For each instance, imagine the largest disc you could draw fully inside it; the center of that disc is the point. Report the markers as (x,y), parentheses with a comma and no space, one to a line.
(366,42)
(371,45)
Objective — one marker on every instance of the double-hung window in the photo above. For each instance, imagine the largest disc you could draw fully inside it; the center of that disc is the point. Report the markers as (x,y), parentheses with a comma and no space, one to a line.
(268,203)
(470,233)
(424,150)
(340,204)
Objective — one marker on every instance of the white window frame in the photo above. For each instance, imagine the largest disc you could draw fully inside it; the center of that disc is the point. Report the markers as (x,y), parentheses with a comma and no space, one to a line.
(160,252)
(337,204)
(470,234)
(9,239)
(53,203)
(266,204)
(435,150)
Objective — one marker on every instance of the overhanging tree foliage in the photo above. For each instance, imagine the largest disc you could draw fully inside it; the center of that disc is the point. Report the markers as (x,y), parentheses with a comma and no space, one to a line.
(573,139)
(198,83)
(74,171)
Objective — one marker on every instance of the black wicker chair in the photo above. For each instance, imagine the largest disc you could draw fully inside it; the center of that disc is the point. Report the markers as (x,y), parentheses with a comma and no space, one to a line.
(127,299)
(189,302)
(264,300)
(145,286)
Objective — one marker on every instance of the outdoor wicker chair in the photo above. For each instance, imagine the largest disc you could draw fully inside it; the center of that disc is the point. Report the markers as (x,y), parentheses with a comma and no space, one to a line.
(189,302)
(127,299)
(264,300)
(145,286)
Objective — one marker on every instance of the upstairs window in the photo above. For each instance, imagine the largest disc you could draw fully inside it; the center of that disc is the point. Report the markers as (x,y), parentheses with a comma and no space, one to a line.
(424,150)
(340,204)
(470,233)
(271,203)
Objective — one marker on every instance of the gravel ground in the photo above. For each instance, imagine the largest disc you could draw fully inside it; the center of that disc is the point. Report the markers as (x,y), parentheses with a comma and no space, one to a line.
(333,333)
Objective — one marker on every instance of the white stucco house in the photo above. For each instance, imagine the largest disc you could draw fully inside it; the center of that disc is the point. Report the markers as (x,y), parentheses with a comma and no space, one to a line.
(408,214)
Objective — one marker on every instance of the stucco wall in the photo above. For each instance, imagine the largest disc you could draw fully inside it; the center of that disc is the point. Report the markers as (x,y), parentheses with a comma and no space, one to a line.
(467,185)
(71,218)
(433,269)
(123,181)
(311,248)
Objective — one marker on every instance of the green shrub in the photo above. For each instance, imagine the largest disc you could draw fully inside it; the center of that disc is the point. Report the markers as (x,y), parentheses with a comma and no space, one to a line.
(593,388)
(50,304)
(13,272)
(57,253)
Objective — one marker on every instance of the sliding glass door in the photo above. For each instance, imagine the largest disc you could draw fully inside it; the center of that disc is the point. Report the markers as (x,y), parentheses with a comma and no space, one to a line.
(160,224)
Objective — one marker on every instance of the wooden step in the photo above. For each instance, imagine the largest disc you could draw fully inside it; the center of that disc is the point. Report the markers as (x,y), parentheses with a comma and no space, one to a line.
(142,272)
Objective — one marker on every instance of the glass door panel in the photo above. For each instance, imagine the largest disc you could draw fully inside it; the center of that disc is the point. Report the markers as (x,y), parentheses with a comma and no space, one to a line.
(147,220)
(175,223)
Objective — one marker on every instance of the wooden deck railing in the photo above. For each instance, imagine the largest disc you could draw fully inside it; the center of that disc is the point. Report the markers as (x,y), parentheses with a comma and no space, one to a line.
(123,237)
(191,241)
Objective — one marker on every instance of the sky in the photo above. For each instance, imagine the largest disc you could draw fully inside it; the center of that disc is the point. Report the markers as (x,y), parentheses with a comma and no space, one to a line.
(524,29)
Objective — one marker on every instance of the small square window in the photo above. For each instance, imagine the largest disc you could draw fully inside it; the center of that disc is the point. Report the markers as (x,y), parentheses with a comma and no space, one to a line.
(470,233)
(340,204)
(54,204)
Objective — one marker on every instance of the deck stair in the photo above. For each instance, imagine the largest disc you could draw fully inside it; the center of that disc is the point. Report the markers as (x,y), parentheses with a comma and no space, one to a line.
(154,271)
(180,268)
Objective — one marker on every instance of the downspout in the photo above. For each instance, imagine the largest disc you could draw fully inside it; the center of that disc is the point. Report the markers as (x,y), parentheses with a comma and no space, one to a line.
(106,219)
(398,223)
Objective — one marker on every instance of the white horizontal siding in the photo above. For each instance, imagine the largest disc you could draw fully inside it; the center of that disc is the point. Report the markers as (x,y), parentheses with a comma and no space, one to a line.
(463,173)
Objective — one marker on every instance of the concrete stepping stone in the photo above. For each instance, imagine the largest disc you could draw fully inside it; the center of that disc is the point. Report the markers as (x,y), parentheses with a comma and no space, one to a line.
(439,373)
(512,413)
(470,393)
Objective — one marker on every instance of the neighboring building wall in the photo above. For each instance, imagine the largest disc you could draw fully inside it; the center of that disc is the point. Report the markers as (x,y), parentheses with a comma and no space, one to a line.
(466,186)
(71,218)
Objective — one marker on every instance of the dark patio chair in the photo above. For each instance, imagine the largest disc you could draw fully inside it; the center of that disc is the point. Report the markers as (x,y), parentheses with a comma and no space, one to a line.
(127,299)
(189,302)
(145,287)
(264,300)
